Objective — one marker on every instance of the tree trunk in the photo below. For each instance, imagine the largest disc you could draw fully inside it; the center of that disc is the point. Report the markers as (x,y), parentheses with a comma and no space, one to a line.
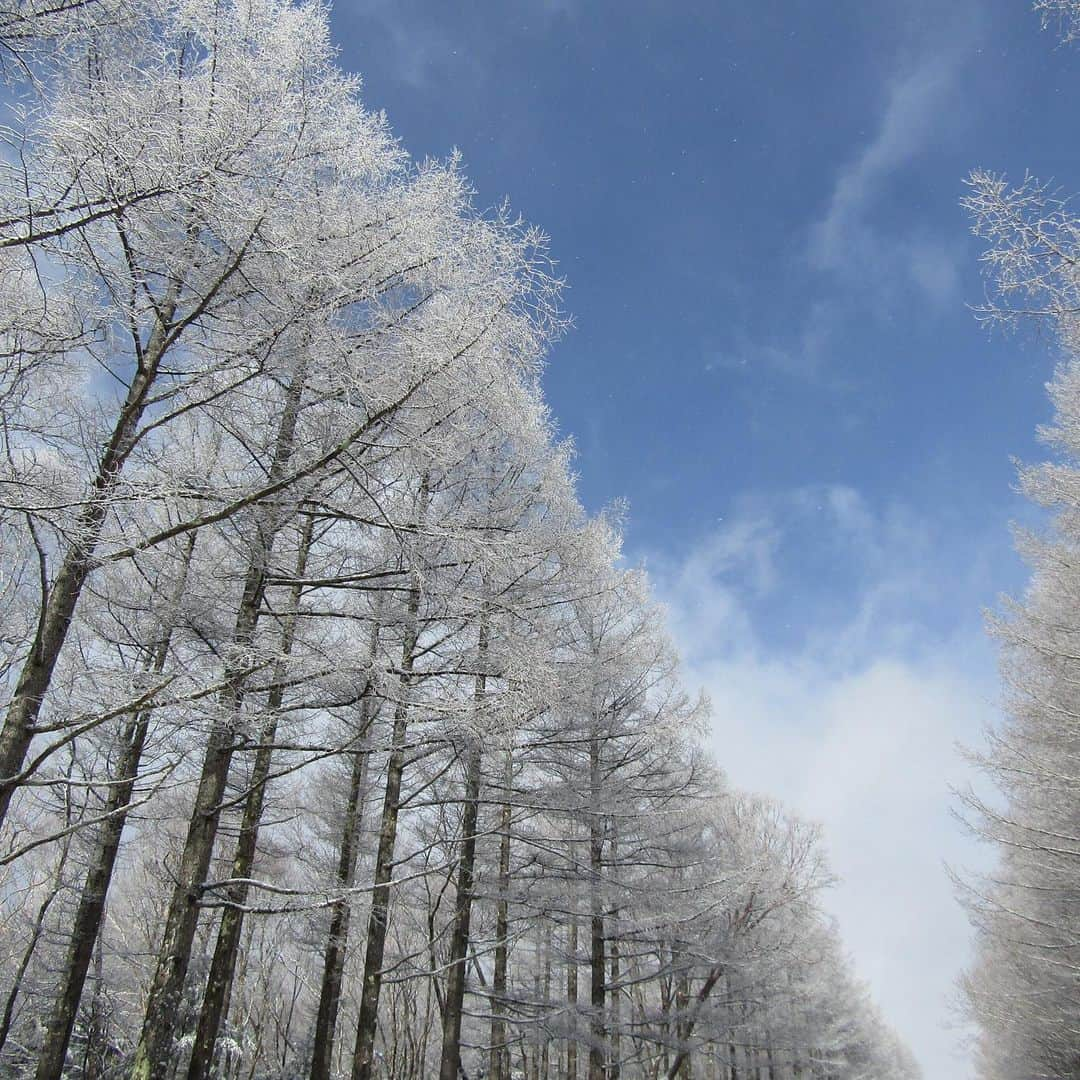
(614,1068)
(338,936)
(613,951)
(31,946)
(58,605)
(500,1051)
(545,1056)
(96,1055)
(572,999)
(684,1024)
(215,1004)
(91,908)
(368,1018)
(155,1042)
(700,998)
(459,937)
(597,1057)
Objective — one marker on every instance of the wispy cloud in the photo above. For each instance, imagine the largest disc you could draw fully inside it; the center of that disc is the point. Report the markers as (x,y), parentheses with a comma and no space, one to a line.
(418,47)
(868,250)
(569,8)
(425,45)
(847,240)
(803,356)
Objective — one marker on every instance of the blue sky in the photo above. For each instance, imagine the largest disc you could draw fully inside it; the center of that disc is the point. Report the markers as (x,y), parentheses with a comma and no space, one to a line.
(756,206)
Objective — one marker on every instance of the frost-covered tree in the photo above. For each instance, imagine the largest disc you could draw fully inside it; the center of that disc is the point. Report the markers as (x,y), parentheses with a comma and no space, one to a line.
(1023,990)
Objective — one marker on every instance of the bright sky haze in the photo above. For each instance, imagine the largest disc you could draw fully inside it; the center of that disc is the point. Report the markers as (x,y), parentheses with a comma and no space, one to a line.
(775,362)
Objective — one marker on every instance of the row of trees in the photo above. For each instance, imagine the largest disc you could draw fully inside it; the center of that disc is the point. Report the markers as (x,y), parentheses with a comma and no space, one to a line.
(1023,990)
(337,739)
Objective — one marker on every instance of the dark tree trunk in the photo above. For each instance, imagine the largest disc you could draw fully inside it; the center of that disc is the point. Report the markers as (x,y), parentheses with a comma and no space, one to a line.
(614,1068)
(367,1020)
(58,605)
(96,1056)
(572,999)
(338,936)
(699,999)
(597,981)
(154,1049)
(500,1050)
(545,1054)
(215,1004)
(36,932)
(459,938)
(597,1057)
(337,939)
(155,1045)
(91,908)
(685,1025)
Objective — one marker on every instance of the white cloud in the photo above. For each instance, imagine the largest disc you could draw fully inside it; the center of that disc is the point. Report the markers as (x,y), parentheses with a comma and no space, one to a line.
(852,722)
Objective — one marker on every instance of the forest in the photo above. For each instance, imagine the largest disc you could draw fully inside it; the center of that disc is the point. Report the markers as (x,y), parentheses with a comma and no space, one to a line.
(338,739)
